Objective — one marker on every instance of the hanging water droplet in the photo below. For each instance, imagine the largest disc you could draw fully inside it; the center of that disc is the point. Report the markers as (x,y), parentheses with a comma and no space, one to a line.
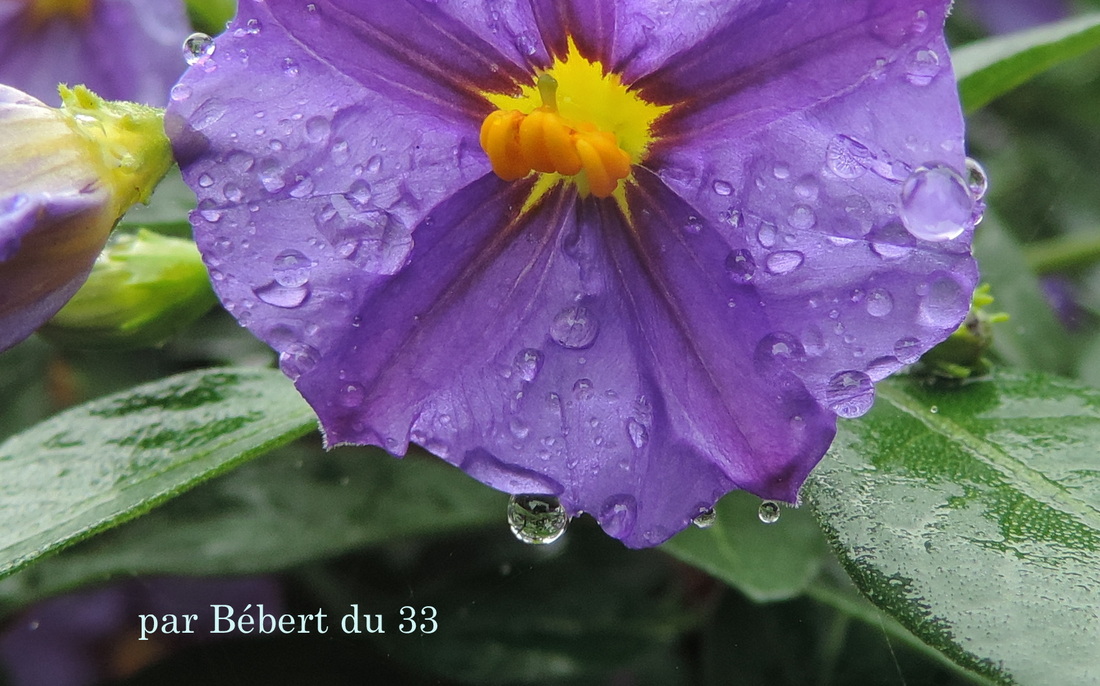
(281,296)
(574,328)
(528,362)
(536,519)
(850,394)
(921,67)
(197,48)
(936,204)
(705,519)
(768,512)
(784,261)
(741,266)
(976,179)
(618,515)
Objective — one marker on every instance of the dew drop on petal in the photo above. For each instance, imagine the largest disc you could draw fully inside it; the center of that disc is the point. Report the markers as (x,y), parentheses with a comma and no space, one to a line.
(891,242)
(879,302)
(536,519)
(528,362)
(197,48)
(778,350)
(618,515)
(847,157)
(574,328)
(907,350)
(850,394)
(936,204)
(290,67)
(766,234)
(180,92)
(921,67)
(945,303)
(693,226)
(639,434)
(740,266)
(784,261)
(723,188)
(705,519)
(802,217)
(285,297)
(291,268)
(298,359)
(583,389)
(768,512)
(351,395)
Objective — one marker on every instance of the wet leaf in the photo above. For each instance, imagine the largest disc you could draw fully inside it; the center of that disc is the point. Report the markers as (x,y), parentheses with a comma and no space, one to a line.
(99,464)
(991,67)
(972,515)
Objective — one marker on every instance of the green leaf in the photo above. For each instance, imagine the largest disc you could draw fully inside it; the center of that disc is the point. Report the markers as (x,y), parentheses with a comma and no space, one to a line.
(297,505)
(168,208)
(1032,337)
(991,67)
(765,562)
(99,464)
(972,515)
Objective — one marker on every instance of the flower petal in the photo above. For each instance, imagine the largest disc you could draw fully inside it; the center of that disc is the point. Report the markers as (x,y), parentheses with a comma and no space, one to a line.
(809,188)
(125,50)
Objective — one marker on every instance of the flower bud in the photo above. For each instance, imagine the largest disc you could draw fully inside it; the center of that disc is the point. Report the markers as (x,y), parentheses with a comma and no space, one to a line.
(143,288)
(66,176)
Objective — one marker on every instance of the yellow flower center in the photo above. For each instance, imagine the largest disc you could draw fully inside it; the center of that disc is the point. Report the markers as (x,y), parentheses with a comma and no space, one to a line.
(40,11)
(575,122)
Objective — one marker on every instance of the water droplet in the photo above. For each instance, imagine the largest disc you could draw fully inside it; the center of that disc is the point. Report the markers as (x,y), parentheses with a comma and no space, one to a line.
(525,44)
(339,152)
(907,350)
(944,304)
(784,261)
(976,179)
(936,204)
(768,512)
(781,172)
(282,296)
(920,22)
(807,187)
(374,164)
(934,409)
(693,226)
(232,192)
(352,395)
(879,302)
(850,394)
(206,181)
(291,268)
(705,519)
(802,217)
(723,188)
(537,519)
(290,67)
(528,362)
(317,128)
(518,428)
(298,359)
(639,434)
(847,157)
(766,234)
(583,389)
(777,351)
(741,266)
(197,48)
(618,515)
(180,92)
(303,186)
(271,176)
(574,328)
(891,242)
(921,67)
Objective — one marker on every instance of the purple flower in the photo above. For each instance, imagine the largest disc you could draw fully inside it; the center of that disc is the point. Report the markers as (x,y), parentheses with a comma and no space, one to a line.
(1005,16)
(793,226)
(66,176)
(122,49)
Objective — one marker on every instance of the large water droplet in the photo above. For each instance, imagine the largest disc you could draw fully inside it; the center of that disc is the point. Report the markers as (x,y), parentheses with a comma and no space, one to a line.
(921,67)
(741,266)
(847,157)
(618,515)
(936,204)
(879,302)
(291,268)
(705,519)
(528,362)
(281,296)
(784,261)
(536,519)
(574,327)
(850,394)
(197,48)
(944,304)
(298,359)
(768,512)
